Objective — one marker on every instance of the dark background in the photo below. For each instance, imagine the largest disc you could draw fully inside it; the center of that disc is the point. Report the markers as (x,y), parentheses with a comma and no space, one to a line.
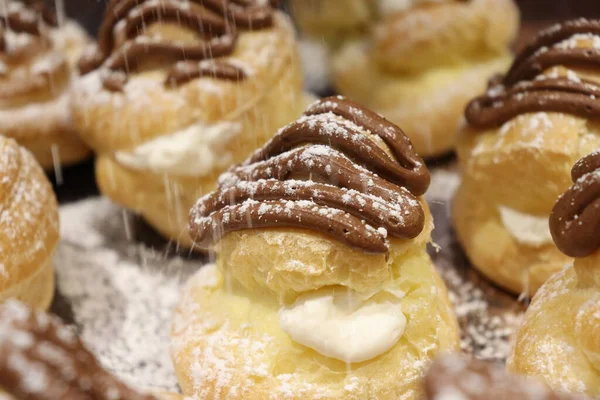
(539,12)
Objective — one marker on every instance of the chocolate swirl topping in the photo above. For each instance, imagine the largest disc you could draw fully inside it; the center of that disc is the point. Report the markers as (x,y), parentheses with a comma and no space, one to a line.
(122,45)
(575,218)
(524,90)
(323,172)
(41,359)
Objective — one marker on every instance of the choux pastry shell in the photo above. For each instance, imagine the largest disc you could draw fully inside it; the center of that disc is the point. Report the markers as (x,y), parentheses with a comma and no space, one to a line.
(29,230)
(38,55)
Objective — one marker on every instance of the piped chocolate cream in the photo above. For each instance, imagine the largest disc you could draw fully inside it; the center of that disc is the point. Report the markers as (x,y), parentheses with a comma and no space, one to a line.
(524,89)
(41,359)
(575,218)
(123,44)
(324,172)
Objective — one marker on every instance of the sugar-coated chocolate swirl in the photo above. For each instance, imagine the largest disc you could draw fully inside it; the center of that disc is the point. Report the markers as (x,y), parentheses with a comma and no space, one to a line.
(41,359)
(575,218)
(323,172)
(524,90)
(122,46)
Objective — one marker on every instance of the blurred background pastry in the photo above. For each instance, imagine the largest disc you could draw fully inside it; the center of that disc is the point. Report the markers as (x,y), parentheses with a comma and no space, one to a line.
(559,341)
(38,52)
(43,359)
(322,286)
(416,62)
(28,228)
(172,95)
(522,138)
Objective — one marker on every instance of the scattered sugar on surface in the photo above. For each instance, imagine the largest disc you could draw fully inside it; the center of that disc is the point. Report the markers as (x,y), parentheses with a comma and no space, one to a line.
(486,328)
(122,294)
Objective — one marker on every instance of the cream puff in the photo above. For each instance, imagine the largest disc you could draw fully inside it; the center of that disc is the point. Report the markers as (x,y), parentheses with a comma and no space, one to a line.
(177,91)
(521,139)
(334,21)
(28,228)
(417,62)
(322,286)
(454,377)
(42,359)
(38,56)
(559,341)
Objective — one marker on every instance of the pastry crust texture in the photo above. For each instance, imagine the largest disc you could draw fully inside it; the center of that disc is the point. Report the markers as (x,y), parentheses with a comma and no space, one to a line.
(227,340)
(418,66)
(522,165)
(38,70)
(559,339)
(114,122)
(29,230)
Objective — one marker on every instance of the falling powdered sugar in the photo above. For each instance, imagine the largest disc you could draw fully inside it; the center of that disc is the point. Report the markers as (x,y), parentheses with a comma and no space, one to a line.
(121,294)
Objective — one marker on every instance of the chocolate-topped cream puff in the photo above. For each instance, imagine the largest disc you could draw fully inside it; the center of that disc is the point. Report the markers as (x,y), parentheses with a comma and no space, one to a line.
(322,286)
(176,91)
(43,359)
(416,62)
(522,138)
(38,55)
(559,341)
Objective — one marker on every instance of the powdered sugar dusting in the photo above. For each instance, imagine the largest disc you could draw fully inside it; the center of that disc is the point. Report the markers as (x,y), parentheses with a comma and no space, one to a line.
(488,318)
(122,294)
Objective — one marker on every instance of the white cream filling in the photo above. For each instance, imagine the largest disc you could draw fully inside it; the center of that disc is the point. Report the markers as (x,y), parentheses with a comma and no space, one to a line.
(193,151)
(526,229)
(344,325)
(392,6)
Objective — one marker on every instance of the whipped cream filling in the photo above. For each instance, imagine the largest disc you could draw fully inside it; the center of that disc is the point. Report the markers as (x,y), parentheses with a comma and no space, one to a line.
(392,6)
(526,229)
(193,151)
(344,325)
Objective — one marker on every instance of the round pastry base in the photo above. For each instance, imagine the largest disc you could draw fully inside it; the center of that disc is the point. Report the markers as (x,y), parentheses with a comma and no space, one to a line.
(37,291)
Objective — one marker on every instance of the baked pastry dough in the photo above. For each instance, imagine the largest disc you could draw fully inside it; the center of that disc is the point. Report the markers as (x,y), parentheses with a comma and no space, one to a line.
(37,60)
(417,62)
(322,286)
(559,340)
(334,21)
(456,377)
(523,136)
(28,228)
(173,95)
(42,359)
